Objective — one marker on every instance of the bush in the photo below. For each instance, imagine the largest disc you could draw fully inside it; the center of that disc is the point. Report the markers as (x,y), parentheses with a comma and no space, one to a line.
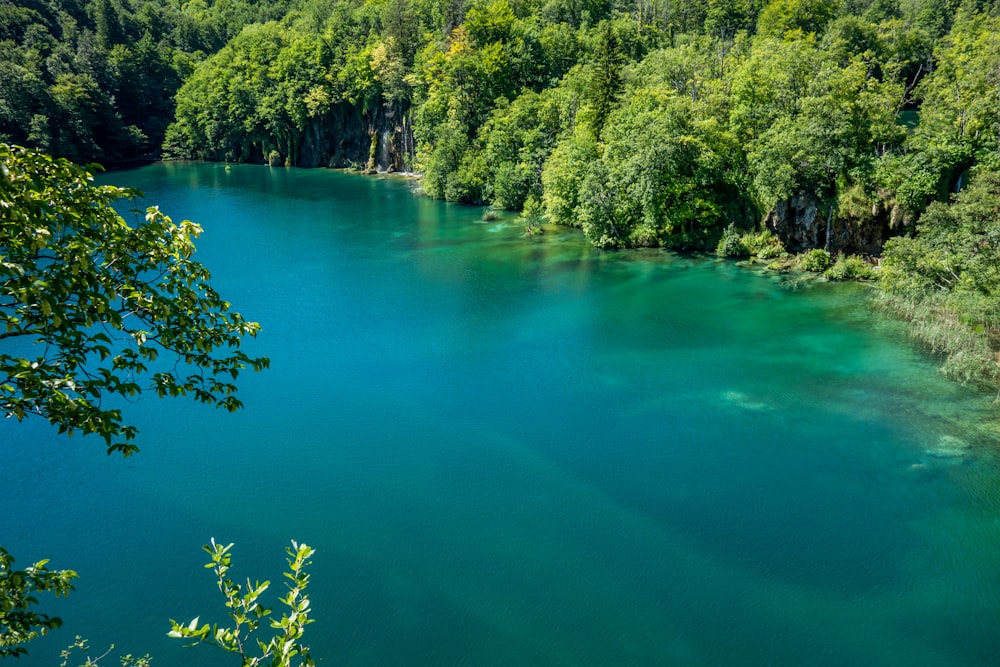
(731,245)
(772,251)
(850,268)
(763,244)
(816,260)
(532,215)
(533,209)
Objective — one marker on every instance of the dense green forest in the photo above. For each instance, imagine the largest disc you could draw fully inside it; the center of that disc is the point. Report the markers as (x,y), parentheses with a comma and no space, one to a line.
(795,124)
(95,80)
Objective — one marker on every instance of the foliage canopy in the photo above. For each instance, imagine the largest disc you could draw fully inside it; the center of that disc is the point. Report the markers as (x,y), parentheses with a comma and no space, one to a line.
(19,622)
(91,306)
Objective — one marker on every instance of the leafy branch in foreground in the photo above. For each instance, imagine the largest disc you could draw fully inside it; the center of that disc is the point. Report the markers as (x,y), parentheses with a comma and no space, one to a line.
(18,623)
(89,303)
(82,645)
(285,648)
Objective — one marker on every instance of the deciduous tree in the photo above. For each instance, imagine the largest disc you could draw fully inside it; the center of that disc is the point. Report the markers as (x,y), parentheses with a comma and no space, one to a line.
(89,303)
(19,622)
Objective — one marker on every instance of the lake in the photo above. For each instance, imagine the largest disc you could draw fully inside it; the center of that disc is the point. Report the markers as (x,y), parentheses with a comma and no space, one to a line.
(526,451)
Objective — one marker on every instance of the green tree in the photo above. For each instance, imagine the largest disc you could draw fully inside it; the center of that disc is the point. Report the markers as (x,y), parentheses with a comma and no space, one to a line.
(664,176)
(457,89)
(562,176)
(145,83)
(769,84)
(724,18)
(93,302)
(957,118)
(946,279)
(88,304)
(808,16)
(605,78)
(519,137)
(19,623)
(79,103)
(262,91)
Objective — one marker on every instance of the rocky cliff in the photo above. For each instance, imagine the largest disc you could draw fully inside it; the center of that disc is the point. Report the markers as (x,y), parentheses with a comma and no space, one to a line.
(804,222)
(377,141)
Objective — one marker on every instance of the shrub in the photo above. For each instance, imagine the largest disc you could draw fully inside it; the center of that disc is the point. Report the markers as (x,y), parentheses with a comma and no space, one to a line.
(533,209)
(850,268)
(731,245)
(816,260)
(532,215)
(772,251)
(763,244)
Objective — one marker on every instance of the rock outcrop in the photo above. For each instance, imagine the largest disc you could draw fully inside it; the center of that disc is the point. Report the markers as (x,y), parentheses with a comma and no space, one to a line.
(804,221)
(797,222)
(380,140)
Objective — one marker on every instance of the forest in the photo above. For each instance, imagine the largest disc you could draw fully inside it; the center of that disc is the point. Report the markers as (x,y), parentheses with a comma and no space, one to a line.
(841,128)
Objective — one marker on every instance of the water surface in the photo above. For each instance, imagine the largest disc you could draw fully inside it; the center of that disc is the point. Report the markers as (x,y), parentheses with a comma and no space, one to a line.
(519,451)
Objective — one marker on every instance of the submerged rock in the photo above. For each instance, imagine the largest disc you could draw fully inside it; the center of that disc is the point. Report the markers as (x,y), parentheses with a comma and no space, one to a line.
(744,401)
(950,447)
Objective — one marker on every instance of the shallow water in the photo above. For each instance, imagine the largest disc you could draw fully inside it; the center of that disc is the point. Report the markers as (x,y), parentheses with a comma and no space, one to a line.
(516,450)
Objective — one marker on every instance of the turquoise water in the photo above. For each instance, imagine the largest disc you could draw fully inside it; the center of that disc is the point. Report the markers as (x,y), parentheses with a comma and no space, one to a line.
(520,451)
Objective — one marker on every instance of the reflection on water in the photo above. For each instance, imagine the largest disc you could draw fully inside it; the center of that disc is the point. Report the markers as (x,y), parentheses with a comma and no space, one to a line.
(516,450)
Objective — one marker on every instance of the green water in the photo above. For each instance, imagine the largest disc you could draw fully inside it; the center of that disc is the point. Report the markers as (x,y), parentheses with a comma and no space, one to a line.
(524,451)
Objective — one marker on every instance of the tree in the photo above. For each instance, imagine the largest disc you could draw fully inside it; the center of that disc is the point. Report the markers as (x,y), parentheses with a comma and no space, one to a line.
(89,303)
(606,77)
(563,173)
(956,252)
(662,178)
(518,138)
(724,18)
(18,622)
(946,279)
(782,16)
(957,119)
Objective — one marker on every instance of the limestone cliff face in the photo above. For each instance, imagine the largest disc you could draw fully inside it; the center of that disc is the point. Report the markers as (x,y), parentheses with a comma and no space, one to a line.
(804,222)
(379,140)
(797,223)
